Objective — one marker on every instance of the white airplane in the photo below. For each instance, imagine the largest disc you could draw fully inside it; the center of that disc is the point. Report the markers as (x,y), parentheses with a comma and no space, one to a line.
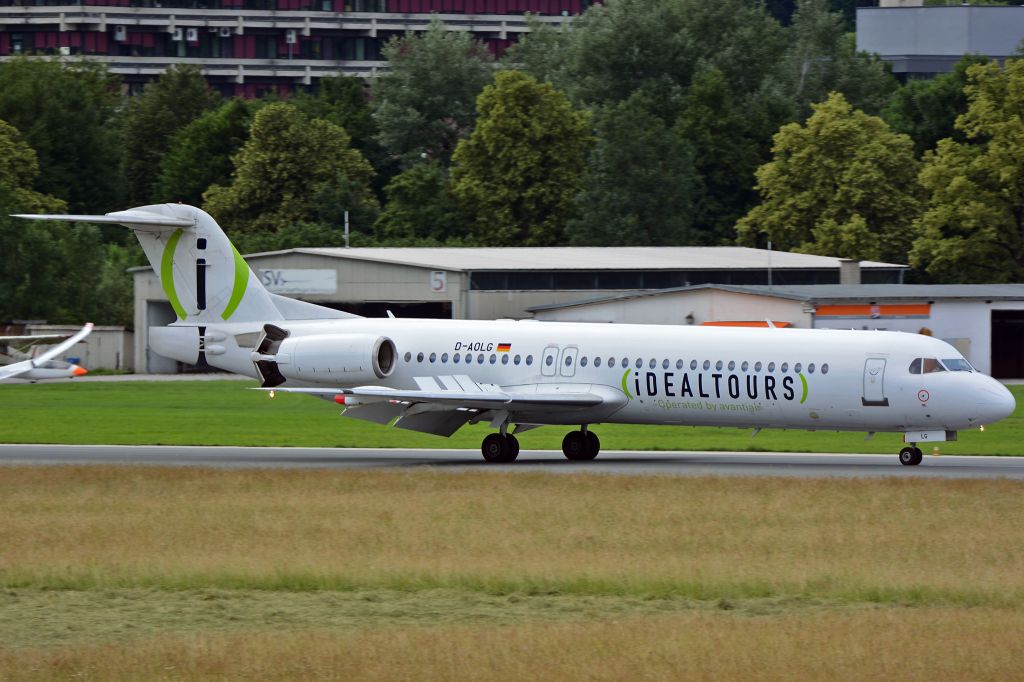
(434,376)
(44,366)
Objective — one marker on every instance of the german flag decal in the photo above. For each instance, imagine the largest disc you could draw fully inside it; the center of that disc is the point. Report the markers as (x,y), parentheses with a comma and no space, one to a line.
(504,347)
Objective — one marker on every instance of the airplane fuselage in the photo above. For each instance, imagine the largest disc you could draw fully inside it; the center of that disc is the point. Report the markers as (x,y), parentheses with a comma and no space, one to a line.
(773,378)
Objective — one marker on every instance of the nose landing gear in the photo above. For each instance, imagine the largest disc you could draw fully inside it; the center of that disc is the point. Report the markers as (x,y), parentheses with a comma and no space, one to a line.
(911,456)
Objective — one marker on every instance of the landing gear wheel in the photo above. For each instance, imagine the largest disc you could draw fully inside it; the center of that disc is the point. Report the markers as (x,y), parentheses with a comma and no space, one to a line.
(911,456)
(578,446)
(500,448)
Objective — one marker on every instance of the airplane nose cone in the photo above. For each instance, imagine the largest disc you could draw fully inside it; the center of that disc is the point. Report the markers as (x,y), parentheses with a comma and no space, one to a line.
(997,402)
(79,371)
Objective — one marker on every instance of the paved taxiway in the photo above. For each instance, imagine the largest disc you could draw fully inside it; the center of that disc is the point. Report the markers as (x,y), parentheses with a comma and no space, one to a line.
(610,462)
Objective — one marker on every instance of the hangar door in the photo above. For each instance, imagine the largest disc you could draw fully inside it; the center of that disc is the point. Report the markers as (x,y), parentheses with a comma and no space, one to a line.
(1008,344)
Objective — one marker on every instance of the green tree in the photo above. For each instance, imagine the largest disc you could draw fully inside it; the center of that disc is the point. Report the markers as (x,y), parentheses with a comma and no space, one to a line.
(520,169)
(421,208)
(285,169)
(53,271)
(345,102)
(842,185)
(639,185)
(64,112)
(823,58)
(425,103)
(200,153)
(927,109)
(973,227)
(150,120)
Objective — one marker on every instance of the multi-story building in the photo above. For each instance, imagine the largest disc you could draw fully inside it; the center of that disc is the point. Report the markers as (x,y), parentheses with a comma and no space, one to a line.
(921,41)
(248,47)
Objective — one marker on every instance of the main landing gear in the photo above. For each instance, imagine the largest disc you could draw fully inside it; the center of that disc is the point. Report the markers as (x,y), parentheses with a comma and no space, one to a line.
(503,447)
(911,456)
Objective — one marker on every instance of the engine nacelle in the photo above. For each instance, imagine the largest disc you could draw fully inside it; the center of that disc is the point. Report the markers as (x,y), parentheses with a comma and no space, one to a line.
(336,358)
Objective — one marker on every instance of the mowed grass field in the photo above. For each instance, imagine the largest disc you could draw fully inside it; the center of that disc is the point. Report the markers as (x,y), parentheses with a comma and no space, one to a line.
(182,573)
(227,413)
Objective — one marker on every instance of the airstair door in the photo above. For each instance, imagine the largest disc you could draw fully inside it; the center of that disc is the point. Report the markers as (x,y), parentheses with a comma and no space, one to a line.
(874,383)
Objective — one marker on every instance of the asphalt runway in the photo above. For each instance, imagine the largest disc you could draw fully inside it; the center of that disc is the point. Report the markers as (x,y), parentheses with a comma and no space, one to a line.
(610,462)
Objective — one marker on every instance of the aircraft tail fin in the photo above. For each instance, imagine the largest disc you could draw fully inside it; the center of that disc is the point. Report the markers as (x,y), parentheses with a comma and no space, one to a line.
(203,275)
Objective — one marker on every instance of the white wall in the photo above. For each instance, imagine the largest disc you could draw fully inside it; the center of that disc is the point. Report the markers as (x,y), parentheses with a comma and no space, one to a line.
(706,305)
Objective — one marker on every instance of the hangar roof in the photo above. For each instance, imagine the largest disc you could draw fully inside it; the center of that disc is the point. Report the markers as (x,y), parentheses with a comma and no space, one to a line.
(833,292)
(477,259)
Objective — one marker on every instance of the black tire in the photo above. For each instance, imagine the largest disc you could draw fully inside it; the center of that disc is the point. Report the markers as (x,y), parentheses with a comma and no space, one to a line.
(576,446)
(918,456)
(512,443)
(908,456)
(499,449)
(594,443)
(493,448)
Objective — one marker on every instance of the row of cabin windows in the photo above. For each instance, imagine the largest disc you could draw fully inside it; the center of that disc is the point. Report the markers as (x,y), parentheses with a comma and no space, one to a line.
(744,366)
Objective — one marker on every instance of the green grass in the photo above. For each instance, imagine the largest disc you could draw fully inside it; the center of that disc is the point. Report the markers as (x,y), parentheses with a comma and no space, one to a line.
(226,413)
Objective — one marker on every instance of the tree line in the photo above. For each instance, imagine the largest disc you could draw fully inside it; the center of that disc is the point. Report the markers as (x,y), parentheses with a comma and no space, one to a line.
(640,123)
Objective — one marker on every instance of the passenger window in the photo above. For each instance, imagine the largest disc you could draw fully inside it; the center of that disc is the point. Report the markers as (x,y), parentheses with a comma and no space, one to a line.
(504,359)
(797,367)
(771,366)
(693,364)
(494,358)
(915,366)
(639,363)
(419,357)
(625,363)
(653,363)
(408,356)
(757,366)
(931,365)
(664,363)
(529,359)
(549,360)
(745,366)
(583,361)
(611,362)
(785,367)
(456,358)
(824,368)
(597,361)
(568,360)
(433,357)
(810,368)
(707,365)
(718,366)
(480,358)
(515,360)
(679,364)
(732,365)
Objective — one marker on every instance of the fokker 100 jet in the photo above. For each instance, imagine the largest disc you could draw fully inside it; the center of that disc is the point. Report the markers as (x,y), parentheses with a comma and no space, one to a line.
(434,376)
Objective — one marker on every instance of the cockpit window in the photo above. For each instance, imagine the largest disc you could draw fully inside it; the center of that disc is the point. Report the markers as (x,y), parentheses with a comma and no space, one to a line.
(957,365)
(926,366)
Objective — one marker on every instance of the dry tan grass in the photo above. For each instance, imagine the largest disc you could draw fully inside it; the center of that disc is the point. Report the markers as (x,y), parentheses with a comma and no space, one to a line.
(873,644)
(869,540)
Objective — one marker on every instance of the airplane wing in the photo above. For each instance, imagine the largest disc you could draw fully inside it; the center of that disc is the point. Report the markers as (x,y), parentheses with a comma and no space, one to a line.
(14,369)
(36,338)
(441,405)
